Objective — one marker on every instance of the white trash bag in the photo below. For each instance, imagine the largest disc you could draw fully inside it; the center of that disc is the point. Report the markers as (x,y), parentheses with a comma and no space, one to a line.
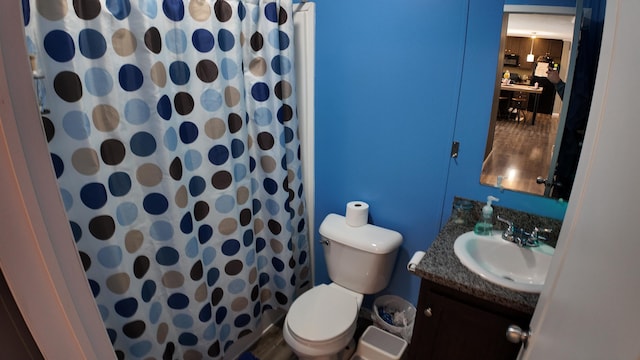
(395,315)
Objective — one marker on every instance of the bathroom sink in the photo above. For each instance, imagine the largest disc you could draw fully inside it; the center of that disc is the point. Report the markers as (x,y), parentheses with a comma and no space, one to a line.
(504,263)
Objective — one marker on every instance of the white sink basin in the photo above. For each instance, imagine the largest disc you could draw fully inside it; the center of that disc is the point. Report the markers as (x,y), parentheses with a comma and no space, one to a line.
(504,263)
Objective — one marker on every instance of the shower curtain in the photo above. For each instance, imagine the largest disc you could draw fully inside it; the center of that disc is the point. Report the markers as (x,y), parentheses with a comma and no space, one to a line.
(172,129)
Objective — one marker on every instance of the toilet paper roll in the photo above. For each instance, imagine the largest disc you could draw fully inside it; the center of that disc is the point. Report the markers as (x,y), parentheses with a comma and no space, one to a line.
(415,260)
(357,213)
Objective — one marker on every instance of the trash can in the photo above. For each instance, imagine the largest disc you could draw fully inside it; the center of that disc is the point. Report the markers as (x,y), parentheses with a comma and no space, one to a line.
(395,315)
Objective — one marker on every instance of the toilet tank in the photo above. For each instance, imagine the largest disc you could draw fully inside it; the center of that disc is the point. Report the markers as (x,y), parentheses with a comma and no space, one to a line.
(359,258)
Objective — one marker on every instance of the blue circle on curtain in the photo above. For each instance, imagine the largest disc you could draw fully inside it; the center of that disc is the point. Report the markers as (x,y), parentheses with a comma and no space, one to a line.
(178,301)
(154,312)
(130,77)
(254,185)
(250,259)
(236,286)
(76,124)
(197,185)
(280,282)
(225,330)
(148,290)
(119,183)
(192,160)
(205,232)
(186,224)
(167,256)
(264,278)
(208,255)
(202,40)
(218,155)
(183,321)
(281,65)
(212,276)
(179,72)
(93,195)
(120,9)
(271,12)
(237,148)
(110,256)
(262,116)
(278,39)
(164,108)
(205,313)
(126,213)
(161,230)
(270,186)
(141,348)
(242,321)
(136,111)
(91,43)
(221,314)
(26,12)
(272,207)
(149,8)
(173,9)
(209,333)
(226,40)
(289,135)
(187,339)
(188,132)
(112,335)
(239,171)
(256,206)
(170,139)
(76,230)
(59,45)
(211,100)
(142,144)
(242,11)
(98,81)
(230,247)
(176,41)
(228,68)
(104,312)
(67,199)
(191,249)
(260,91)
(155,204)
(225,203)
(126,307)
(247,238)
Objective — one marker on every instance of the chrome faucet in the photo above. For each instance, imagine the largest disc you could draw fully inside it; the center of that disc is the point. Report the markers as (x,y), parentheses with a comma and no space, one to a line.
(520,237)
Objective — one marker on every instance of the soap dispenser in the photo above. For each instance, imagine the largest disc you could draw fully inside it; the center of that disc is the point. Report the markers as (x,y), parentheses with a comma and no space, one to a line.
(485,225)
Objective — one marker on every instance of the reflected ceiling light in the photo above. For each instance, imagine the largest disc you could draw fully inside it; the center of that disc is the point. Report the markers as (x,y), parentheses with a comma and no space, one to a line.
(530,57)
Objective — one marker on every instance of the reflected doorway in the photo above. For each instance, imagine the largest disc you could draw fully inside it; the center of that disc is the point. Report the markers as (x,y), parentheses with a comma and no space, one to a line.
(524,129)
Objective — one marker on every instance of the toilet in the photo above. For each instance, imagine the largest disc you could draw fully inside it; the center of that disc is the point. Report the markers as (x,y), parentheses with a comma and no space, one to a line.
(321,323)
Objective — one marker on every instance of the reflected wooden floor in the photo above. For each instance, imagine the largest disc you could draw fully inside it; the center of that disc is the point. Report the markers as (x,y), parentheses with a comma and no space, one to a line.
(521,153)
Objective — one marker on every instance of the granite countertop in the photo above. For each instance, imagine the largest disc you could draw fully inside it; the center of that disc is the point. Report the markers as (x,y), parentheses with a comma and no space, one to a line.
(440,264)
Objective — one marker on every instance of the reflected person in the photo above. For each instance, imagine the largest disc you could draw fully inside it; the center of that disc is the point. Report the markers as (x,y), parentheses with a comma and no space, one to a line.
(572,137)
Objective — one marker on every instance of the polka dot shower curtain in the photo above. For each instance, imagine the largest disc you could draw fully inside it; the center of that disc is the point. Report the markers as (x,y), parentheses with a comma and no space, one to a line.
(173,133)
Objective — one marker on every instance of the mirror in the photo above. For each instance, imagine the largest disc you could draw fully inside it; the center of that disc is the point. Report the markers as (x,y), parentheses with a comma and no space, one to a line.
(535,134)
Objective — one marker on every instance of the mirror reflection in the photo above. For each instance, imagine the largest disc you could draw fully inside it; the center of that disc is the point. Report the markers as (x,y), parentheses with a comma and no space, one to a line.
(534,138)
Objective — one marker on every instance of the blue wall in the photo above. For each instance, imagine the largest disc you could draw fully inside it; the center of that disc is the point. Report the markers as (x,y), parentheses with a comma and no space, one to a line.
(395,85)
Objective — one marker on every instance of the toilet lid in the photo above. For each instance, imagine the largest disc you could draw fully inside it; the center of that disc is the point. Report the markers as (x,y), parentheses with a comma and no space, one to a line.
(322,313)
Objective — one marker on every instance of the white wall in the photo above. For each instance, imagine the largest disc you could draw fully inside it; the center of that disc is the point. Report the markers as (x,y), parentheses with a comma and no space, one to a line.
(589,309)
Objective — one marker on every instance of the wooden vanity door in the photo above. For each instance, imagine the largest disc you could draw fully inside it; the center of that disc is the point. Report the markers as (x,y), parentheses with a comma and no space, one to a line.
(449,328)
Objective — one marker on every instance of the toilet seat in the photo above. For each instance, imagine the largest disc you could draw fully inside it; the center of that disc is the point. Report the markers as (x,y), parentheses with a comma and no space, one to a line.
(322,314)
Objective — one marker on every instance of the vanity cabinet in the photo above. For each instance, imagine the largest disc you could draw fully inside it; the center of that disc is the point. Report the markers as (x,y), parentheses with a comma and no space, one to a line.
(453,325)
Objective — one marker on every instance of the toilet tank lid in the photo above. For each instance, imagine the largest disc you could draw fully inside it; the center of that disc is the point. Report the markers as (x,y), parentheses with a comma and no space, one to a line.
(370,238)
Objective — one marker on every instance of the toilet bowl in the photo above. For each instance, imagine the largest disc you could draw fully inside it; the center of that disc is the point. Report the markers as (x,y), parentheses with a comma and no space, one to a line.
(321,322)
